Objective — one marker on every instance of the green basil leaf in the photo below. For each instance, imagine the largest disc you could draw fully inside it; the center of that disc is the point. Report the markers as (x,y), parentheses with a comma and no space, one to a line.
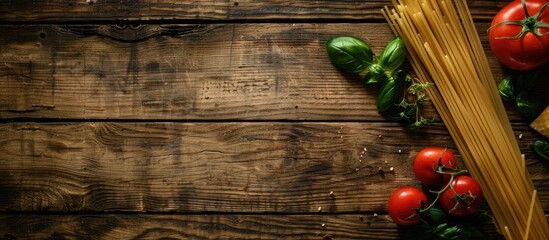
(520,90)
(401,79)
(458,231)
(375,74)
(392,92)
(371,79)
(350,54)
(541,147)
(506,89)
(393,55)
(437,215)
(529,106)
(386,96)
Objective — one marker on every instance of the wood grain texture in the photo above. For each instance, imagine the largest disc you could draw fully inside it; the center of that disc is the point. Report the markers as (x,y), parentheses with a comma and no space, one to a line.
(144,226)
(197,227)
(111,10)
(214,167)
(187,72)
(273,71)
(228,122)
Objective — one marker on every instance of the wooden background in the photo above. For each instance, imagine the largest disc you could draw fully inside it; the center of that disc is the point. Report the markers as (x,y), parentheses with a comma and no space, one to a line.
(203,119)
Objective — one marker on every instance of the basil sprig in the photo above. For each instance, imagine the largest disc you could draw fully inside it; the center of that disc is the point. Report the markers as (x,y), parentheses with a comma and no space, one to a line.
(400,96)
(439,225)
(519,90)
(445,231)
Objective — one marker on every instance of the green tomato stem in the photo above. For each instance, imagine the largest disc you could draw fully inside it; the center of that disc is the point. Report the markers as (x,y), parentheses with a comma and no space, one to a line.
(526,14)
(448,185)
(529,23)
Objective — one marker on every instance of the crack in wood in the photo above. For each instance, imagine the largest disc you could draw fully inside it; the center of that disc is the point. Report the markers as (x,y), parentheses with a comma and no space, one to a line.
(136,32)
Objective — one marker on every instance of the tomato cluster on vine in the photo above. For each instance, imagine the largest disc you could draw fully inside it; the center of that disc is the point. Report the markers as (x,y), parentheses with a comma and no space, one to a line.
(436,168)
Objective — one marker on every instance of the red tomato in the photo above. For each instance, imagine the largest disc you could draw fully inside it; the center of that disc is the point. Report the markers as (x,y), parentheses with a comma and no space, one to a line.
(529,50)
(470,193)
(427,161)
(404,203)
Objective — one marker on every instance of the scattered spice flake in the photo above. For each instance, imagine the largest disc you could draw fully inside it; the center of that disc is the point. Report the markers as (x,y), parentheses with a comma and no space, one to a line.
(362,154)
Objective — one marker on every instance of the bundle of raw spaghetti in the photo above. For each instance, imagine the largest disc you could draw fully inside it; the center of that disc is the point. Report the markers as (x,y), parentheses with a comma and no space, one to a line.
(444,48)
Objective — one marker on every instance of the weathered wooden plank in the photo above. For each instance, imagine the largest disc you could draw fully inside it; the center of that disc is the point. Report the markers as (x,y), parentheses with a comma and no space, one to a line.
(186,72)
(182,72)
(214,167)
(86,10)
(143,226)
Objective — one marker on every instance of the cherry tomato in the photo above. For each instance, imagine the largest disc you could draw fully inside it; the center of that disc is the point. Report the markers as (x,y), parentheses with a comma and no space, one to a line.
(519,40)
(428,160)
(404,203)
(469,193)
